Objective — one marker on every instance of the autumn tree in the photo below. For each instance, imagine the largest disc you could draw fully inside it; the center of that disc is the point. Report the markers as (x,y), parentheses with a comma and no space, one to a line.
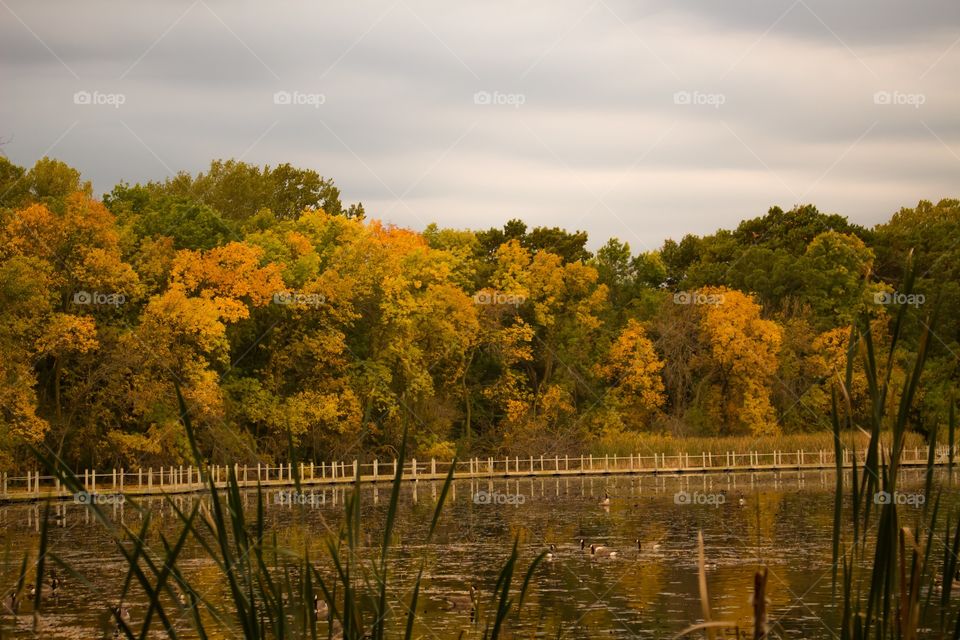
(740,361)
(633,371)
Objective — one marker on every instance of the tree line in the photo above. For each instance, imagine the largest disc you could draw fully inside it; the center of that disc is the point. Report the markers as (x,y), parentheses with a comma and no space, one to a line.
(296,325)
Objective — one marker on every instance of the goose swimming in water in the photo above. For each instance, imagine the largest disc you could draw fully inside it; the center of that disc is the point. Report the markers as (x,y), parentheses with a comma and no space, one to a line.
(653,547)
(551,554)
(606,500)
(602,552)
(122,612)
(583,544)
(320,607)
(55,584)
(12,603)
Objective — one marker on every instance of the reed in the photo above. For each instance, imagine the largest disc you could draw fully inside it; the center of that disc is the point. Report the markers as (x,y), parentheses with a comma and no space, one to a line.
(883,567)
(272,589)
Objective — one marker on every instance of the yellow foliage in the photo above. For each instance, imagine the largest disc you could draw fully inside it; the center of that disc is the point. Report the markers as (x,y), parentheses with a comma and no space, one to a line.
(633,367)
(65,333)
(743,349)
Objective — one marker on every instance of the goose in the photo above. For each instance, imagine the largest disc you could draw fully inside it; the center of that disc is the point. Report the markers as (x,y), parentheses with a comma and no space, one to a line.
(606,500)
(122,612)
(55,583)
(653,547)
(602,552)
(551,554)
(741,501)
(583,544)
(320,607)
(12,603)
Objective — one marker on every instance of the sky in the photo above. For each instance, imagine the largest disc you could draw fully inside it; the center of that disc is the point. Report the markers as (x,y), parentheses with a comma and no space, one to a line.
(642,120)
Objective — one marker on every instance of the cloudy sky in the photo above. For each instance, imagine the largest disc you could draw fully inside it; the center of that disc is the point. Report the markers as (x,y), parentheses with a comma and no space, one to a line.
(637,119)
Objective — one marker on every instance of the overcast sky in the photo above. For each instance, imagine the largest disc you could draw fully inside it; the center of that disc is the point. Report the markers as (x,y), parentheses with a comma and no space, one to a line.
(637,119)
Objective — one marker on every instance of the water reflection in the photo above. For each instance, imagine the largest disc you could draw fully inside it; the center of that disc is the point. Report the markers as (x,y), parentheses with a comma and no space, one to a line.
(648,589)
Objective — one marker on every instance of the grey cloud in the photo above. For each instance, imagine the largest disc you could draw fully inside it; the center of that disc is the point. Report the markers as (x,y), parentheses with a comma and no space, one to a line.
(599,115)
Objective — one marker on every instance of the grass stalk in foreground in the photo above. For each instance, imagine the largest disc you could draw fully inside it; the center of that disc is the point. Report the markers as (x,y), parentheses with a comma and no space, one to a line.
(273,592)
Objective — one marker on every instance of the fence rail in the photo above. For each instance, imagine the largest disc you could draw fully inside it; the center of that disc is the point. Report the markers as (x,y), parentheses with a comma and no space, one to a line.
(188,479)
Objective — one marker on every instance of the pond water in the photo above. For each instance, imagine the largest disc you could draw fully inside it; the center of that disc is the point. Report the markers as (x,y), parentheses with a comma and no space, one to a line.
(784,523)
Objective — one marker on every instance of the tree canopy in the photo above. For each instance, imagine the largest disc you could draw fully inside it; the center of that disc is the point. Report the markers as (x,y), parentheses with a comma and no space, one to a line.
(287,316)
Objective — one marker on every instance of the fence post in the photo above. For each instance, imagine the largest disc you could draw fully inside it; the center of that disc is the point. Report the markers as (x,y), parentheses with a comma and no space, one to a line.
(413,467)
(433,467)
(355,468)
(374,469)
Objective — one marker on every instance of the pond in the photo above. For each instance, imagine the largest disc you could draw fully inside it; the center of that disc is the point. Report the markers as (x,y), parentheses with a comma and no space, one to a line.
(784,521)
